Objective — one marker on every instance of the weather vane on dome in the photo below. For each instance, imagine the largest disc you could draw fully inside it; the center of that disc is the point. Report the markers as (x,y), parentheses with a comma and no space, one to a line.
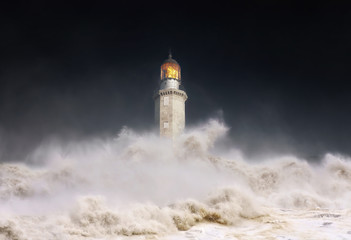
(170,53)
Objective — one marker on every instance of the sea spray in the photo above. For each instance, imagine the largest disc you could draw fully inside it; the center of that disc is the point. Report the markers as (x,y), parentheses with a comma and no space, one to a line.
(142,184)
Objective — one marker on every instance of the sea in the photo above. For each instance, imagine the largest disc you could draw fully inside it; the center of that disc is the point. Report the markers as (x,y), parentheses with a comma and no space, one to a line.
(137,185)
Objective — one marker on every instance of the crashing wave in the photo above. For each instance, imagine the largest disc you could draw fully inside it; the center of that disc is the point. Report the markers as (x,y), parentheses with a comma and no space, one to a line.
(141,185)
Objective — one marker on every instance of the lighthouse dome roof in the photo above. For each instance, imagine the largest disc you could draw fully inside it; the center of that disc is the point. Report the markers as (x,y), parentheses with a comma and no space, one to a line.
(170,60)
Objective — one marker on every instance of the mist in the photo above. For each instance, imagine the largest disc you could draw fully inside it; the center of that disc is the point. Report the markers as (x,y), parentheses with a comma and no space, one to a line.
(42,103)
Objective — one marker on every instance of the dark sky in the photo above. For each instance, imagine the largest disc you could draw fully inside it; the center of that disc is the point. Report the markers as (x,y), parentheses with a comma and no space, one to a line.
(278,73)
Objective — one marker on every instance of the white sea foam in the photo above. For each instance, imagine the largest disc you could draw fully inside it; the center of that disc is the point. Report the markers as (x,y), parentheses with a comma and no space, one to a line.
(140,184)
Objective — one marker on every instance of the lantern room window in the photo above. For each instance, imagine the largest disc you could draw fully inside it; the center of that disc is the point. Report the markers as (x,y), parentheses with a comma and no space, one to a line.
(170,70)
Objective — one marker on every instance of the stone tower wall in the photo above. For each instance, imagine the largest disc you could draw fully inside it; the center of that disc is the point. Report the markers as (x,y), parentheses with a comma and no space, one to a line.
(170,111)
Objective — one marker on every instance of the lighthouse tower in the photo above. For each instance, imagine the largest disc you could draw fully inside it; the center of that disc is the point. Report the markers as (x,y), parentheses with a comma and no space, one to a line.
(170,100)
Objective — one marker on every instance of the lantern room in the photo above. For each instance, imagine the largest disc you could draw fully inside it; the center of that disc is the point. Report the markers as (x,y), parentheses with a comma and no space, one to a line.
(170,69)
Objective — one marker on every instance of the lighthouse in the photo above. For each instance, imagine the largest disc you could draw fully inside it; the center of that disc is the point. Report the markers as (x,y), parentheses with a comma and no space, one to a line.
(170,100)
